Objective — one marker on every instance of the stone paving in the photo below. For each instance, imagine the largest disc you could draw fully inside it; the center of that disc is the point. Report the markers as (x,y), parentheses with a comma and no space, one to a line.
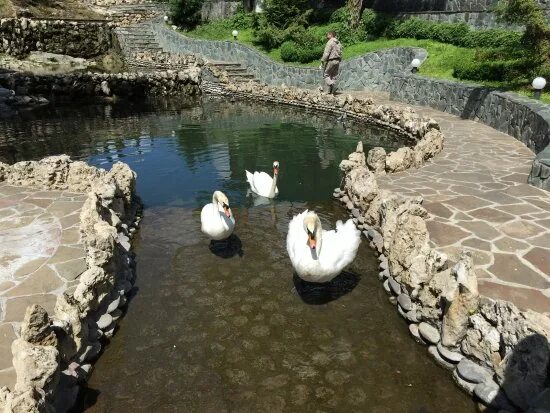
(478,198)
(41,256)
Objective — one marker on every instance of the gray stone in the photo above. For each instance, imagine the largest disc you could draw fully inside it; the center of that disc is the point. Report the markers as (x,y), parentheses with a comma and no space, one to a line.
(113,305)
(404,302)
(472,372)
(387,286)
(451,356)
(90,352)
(429,333)
(104,321)
(394,286)
(463,384)
(440,360)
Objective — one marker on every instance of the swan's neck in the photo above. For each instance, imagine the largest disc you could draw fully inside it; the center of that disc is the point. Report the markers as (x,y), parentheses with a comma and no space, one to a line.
(216,209)
(273,185)
(319,236)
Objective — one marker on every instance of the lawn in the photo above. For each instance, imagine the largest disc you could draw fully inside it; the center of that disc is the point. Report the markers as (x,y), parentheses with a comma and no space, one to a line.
(440,63)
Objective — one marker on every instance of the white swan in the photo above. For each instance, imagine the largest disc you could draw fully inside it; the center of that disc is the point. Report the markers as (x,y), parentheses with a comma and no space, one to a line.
(263,184)
(216,219)
(318,255)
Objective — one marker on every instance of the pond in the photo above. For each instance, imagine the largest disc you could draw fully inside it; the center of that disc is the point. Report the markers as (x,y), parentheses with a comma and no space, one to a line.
(236,332)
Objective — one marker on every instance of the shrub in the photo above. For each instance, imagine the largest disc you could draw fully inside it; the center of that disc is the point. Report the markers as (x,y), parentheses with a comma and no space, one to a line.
(186,13)
(498,70)
(374,24)
(294,52)
(340,15)
(492,38)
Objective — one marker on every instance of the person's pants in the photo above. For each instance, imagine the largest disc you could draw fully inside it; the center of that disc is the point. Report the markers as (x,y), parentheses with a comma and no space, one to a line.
(331,72)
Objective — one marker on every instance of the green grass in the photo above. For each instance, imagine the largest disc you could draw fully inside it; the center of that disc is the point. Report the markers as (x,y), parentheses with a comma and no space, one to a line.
(442,57)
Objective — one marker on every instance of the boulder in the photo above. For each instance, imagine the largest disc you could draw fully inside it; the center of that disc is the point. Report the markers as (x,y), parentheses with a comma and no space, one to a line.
(400,160)
(461,302)
(376,160)
(36,327)
(76,332)
(95,284)
(36,366)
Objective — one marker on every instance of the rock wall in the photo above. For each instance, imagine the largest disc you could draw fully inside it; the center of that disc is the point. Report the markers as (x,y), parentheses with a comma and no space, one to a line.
(54,351)
(399,6)
(372,71)
(84,85)
(20,36)
(218,9)
(495,352)
(523,118)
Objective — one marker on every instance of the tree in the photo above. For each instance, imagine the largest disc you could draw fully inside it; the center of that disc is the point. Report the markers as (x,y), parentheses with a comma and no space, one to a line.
(284,13)
(186,13)
(537,32)
(354,8)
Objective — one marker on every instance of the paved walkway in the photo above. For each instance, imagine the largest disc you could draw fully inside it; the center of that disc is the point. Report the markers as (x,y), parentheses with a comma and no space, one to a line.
(477,194)
(41,256)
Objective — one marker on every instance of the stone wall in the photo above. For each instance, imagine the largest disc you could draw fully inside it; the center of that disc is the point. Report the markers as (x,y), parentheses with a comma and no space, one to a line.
(54,352)
(85,85)
(400,6)
(218,9)
(496,352)
(19,36)
(523,118)
(372,71)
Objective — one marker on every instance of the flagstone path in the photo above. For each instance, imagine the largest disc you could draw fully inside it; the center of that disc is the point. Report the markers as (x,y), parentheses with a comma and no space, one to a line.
(41,256)
(478,198)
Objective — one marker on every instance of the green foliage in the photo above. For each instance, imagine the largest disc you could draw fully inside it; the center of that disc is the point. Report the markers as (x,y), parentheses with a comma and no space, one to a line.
(294,52)
(283,13)
(492,70)
(375,23)
(340,15)
(493,38)
(186,13)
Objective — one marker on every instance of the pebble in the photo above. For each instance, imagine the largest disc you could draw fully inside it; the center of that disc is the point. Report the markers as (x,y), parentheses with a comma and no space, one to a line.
(487,392)
(387,286)
(355,212)
(124,242)
(463,384)
(336,194)
(382,275)
(405,302)
(394,285)
(111,332)
(104,321)
(113,305)
(383,265)
(94,334)
(345,199)
(472,372)
(116,314)
(409,316)
(122,302)
(452,356)
(393,300)
(349,205)
(413,328)
(90,352)
(440,360)
(429,333)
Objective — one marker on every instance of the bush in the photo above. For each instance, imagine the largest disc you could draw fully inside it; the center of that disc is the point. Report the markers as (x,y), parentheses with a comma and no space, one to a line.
(294,52)
(498,70)
(375,23)
(340,15)
(186,13)
(492,38)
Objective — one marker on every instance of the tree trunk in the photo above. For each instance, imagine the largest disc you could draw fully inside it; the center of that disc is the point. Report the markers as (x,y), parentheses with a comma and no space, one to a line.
(354,7)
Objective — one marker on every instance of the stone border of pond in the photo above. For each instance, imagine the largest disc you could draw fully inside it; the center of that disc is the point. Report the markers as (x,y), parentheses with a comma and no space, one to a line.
(440,300)
(54,353)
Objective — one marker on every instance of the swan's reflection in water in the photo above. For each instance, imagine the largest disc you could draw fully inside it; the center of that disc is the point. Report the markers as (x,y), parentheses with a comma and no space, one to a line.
(227,248)
(323,293)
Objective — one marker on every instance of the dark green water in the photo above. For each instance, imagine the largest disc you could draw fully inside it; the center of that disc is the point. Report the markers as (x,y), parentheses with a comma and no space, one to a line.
(237,332)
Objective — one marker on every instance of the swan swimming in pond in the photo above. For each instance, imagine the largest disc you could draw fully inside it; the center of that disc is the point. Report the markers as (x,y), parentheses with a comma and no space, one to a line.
(318,255)
(262,184)
(216,219)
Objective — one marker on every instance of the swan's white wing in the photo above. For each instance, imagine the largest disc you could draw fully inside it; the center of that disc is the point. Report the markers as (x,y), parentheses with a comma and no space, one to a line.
(262,182)
(340,247)
(250,179)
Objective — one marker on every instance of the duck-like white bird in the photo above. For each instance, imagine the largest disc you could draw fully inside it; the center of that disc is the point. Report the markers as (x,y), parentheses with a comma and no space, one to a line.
(262,184)
(318,255)
(216,219)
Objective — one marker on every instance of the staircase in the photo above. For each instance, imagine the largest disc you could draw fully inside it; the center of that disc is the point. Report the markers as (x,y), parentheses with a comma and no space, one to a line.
(236,71)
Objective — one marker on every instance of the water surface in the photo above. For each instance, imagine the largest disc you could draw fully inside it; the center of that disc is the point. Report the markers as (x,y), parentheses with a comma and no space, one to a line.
(234,330)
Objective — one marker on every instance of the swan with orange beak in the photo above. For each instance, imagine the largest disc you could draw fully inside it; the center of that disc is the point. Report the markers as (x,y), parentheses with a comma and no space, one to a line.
(318,255)
(217,221)
(262,184)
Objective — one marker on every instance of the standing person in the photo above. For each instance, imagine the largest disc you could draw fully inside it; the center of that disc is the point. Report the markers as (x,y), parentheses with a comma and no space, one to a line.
(330,62)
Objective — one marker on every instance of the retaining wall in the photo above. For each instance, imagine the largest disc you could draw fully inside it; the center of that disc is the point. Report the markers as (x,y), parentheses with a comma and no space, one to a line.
(77,38)
(372,71)
(523,118)
(399,6)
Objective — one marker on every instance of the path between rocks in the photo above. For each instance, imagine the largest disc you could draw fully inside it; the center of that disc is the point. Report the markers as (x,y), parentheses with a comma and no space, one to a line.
(478,198)
(41,256)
